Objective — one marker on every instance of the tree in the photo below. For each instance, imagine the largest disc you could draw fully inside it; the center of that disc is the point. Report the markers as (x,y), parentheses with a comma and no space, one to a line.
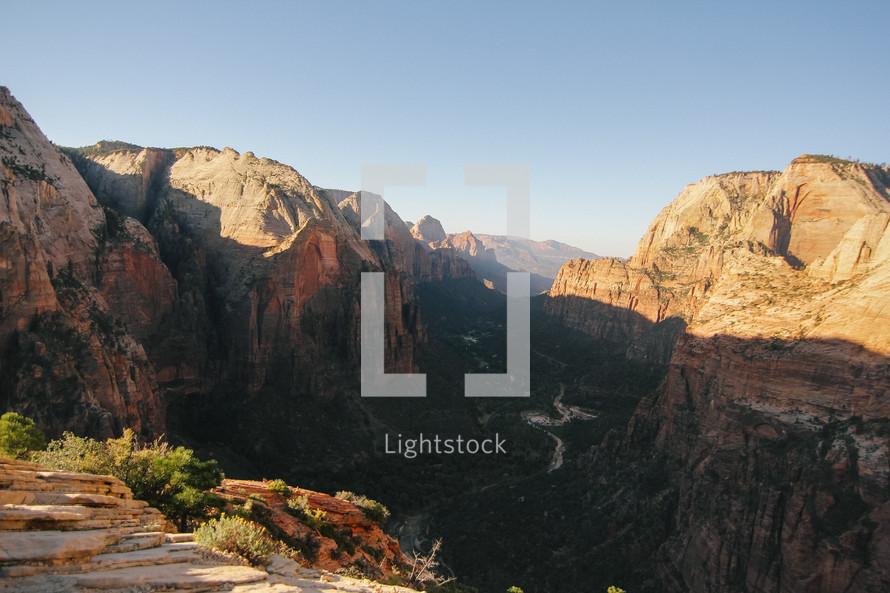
(19,436)
(170,479)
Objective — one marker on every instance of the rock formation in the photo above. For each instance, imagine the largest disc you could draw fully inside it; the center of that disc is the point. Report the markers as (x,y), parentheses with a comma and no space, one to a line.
(64,287)
(63,532)
(429,232)
(361,540)
(727,243)
(774,408)
(196,273)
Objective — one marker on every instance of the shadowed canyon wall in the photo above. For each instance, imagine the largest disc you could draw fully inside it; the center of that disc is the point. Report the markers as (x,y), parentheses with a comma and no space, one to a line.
(774,411)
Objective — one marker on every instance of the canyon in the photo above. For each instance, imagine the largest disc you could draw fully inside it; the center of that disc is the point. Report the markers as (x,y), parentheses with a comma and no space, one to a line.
(729,381)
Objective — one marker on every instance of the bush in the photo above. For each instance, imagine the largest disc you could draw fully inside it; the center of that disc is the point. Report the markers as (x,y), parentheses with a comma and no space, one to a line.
(372,509)
(298,506)
(376,553)
(170,479)
(315,519)
(279,487)
(236,535)
(19,436)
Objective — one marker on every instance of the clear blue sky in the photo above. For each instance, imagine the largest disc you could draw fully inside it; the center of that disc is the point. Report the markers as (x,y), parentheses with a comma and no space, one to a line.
(615,106)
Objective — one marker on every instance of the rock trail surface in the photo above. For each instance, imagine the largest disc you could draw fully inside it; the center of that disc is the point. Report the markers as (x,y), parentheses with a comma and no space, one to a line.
(64,532)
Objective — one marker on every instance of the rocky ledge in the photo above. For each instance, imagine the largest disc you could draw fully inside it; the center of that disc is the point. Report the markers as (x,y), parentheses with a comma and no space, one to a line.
(63,532)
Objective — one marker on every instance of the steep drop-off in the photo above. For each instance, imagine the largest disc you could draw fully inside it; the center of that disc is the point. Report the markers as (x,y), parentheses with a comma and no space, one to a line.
(774,411)
(69,275)
(200,292)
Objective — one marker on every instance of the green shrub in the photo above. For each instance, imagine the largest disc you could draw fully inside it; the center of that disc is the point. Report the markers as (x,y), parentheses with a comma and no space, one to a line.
(19,436)
(257,497)
(315,519)
(298,506)
(514,590)
(372,509)
(376,553)
(279,487)
(375,511)
(236,535)
(354,571)
(245,510)
(170,479)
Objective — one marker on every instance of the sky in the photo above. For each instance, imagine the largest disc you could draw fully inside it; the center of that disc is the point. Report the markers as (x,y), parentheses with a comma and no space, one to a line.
(614,106)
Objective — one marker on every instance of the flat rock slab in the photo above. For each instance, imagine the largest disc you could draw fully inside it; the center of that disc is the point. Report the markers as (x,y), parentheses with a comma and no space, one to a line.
(84,499)
(34,546)
(137,541)
(318,584)
(43,512)
(150,557)
(174,576)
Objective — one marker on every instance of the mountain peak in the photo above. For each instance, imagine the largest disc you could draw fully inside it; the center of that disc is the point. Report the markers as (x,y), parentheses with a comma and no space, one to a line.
(428,230)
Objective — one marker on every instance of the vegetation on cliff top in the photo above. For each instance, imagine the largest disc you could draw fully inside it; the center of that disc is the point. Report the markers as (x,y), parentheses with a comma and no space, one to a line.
(170,479)
(103,147)
(833,160)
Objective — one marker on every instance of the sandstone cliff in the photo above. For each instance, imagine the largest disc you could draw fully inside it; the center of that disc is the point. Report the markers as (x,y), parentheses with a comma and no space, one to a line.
(218,283)
(267,270)
(728,243)
(774,408)
(428,230)
(67,281)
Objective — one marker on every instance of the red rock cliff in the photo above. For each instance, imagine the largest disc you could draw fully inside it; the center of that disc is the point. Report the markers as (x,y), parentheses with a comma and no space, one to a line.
(775,404)
(65,360)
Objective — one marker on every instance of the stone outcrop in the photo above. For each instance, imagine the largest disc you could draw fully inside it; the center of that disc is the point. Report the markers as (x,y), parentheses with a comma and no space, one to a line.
(362,540)
(64,532)
(410,255)
(466,246)
(428,230)
(55,523)
(253,242)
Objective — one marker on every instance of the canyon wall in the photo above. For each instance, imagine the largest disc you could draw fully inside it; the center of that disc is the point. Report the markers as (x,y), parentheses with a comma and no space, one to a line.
(774,410)
(141,278)
(66,281)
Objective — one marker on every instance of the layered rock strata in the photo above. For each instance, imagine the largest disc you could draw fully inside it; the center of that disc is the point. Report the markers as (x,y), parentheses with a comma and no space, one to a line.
(775,404)
(64,532)
(70,277)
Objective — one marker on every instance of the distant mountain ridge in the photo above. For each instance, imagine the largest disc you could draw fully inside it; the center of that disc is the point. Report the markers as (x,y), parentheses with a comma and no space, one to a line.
(495,255)
(544,258)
